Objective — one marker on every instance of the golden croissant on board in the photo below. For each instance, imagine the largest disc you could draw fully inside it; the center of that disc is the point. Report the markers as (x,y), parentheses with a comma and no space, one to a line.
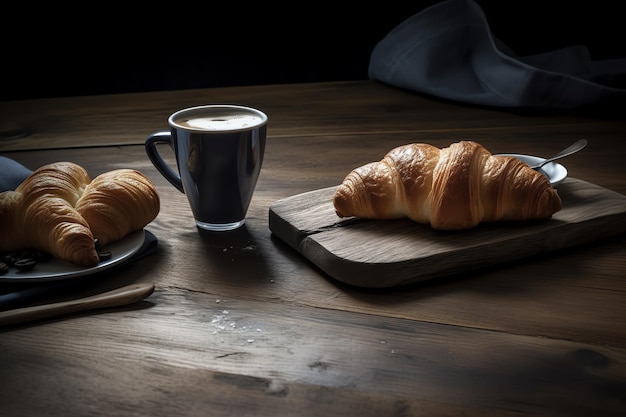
(59,210)
(453,188)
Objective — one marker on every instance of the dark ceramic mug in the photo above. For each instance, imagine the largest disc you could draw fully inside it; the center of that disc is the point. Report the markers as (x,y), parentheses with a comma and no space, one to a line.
(219,151)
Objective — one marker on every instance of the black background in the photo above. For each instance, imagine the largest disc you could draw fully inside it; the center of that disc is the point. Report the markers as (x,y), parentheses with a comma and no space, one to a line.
(102,48)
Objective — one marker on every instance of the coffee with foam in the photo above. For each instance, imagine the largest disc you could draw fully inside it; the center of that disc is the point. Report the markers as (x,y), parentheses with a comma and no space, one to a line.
(221,122)
(219,152)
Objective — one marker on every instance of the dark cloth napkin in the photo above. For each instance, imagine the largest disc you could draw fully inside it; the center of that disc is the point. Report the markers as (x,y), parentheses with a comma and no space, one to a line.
(12,174)
(447,50)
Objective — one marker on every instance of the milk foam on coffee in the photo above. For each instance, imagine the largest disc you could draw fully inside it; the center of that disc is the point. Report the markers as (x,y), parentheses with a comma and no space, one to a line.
(222,122)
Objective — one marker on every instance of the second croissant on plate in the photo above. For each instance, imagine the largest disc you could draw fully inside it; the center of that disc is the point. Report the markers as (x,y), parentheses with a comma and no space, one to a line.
(452,188)
(58,209)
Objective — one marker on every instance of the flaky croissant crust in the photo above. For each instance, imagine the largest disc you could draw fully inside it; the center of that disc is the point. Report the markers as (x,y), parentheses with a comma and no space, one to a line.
(453,188)
(59,210)
(117,203)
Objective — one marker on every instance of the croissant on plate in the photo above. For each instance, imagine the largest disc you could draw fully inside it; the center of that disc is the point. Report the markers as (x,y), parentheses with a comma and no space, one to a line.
(117,203)
(453,188)
(59,210)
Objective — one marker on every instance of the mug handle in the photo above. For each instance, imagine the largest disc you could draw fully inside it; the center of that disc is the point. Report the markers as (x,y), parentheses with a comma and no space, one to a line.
(157,160)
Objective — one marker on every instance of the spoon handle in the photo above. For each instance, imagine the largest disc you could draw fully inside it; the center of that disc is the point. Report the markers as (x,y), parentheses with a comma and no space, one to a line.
(118,297)
(573,148)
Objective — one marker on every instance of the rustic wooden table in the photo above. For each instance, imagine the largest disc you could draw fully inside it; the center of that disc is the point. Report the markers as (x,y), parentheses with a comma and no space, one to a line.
(241,324)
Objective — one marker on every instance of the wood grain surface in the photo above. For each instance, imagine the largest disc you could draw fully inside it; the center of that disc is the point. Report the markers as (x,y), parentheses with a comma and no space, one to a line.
(242,324)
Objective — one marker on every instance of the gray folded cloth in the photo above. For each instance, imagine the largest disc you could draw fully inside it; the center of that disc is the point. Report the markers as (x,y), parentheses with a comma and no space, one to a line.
(447,50)
(12,173)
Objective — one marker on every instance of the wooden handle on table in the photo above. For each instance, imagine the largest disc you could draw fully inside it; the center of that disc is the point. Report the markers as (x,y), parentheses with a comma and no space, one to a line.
(118,297)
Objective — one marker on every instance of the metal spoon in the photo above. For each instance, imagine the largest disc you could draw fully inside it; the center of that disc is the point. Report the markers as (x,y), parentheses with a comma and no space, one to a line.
(573,148)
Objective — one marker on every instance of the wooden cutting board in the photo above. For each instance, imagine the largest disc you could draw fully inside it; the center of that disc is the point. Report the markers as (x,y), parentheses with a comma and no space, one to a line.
(388,253)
